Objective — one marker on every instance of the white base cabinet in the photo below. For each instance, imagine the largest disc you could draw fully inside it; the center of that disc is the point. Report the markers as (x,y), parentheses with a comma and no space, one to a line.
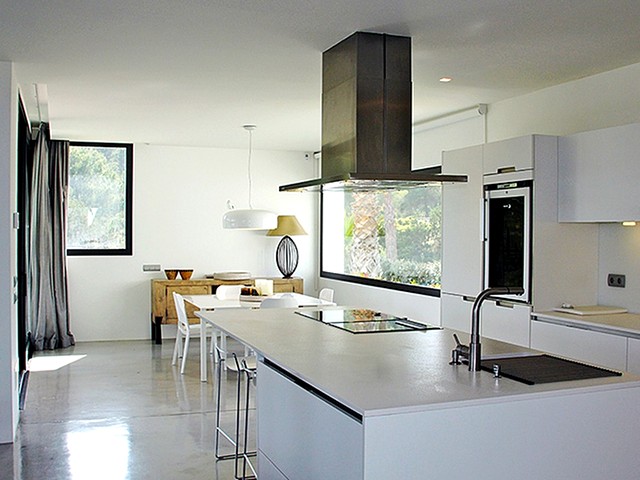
(633,355)
(455,312)
(506,321)
(299,431)
(589,346)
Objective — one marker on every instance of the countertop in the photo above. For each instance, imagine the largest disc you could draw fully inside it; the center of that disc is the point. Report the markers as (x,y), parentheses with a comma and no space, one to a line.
(625,324)
(385,373)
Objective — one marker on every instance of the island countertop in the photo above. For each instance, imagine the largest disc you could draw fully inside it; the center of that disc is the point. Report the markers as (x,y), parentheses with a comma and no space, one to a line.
(385,373)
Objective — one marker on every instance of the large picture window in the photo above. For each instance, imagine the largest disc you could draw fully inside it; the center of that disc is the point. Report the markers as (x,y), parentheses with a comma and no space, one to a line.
(99,201)
(389,238)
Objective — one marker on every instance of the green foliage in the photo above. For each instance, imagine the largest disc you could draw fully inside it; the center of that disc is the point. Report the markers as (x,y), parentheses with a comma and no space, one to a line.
(96,198)
(412,272)
(417,237)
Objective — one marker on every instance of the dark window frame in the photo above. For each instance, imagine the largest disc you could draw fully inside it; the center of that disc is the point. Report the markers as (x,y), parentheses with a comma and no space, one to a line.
(402,287)
(128,249)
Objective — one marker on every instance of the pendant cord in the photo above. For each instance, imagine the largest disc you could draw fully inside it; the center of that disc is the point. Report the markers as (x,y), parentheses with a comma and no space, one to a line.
(249,166)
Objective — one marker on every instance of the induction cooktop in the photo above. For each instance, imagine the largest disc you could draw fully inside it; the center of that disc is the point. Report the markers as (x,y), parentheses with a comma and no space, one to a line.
(365,321)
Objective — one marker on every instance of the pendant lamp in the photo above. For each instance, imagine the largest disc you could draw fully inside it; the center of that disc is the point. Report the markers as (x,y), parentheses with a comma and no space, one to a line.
(249,219)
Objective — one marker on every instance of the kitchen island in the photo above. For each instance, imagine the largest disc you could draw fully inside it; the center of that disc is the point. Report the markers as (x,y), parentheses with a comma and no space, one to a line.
(333,404)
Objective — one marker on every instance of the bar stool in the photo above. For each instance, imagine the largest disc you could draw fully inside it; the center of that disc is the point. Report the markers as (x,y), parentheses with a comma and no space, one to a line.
(244,367)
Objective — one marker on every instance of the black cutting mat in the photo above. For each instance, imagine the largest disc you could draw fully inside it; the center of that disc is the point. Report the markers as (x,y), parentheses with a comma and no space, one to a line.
(545,369)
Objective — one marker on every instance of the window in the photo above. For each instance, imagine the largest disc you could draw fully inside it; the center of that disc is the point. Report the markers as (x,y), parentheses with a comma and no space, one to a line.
(99,202)
(388,238)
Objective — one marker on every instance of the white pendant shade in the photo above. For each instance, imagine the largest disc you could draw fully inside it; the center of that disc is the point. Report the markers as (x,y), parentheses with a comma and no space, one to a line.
(250,219)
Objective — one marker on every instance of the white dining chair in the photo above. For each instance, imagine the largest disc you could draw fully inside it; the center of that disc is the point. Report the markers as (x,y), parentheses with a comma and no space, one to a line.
(326,294)
(225,292)
(283,301)
(185,331)
(228,292)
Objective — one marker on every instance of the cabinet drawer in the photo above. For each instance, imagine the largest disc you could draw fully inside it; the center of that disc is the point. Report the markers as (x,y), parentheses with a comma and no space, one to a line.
(593,347)
(184,290)
(506,321)
(455,312)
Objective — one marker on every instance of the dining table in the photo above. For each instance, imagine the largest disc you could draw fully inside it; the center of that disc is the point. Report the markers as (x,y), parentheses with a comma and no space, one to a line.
(212,302)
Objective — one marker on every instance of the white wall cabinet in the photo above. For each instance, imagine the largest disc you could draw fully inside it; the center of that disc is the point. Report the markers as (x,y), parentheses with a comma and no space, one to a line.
(461,226)
(589,346)
(294,426)
(514,154)
(633,355)
(506,321)
(598,175)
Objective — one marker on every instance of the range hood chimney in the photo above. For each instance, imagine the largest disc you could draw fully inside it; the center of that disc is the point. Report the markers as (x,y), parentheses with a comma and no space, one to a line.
(366,117)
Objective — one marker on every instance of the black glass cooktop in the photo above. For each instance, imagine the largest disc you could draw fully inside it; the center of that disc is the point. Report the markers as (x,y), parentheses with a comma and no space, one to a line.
(365,321)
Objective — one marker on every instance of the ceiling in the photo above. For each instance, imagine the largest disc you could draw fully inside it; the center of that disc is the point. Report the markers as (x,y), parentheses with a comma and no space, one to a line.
(193,72)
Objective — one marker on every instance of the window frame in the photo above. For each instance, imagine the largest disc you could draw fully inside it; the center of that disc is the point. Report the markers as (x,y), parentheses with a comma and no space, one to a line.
(402,287)
(128,249)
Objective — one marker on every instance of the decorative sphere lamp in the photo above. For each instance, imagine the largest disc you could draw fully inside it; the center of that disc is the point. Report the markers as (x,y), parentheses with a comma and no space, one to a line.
(287,252)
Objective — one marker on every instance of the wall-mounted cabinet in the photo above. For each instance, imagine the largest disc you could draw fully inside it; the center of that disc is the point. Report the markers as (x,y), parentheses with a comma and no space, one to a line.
(512,155)
(598,175)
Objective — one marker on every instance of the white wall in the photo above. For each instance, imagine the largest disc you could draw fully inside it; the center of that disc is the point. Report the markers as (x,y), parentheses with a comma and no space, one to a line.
(604,100)
(599,101)
(180,196)
(9,414)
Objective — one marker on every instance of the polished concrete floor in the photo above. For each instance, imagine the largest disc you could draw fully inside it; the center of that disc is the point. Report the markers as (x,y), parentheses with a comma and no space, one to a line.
(120,410)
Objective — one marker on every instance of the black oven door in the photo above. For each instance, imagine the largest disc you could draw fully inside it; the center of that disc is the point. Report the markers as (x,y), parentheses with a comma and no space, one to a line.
(507,261)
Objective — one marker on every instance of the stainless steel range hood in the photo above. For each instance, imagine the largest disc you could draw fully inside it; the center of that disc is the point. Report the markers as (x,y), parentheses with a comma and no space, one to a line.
(366,118)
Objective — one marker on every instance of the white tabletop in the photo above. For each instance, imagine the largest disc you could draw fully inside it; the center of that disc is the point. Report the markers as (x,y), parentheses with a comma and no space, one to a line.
(211,302)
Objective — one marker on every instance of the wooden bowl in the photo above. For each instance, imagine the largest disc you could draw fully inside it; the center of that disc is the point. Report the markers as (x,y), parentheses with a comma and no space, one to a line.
(171,274)
(186,274)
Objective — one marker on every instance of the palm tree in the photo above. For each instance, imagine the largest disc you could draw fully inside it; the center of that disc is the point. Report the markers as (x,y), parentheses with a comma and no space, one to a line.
(364,251)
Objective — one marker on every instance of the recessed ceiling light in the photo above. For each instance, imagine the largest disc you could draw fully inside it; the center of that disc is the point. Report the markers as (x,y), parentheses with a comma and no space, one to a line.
(446,79)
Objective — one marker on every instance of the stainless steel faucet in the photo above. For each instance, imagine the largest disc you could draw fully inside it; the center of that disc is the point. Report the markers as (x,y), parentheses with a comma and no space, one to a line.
(474,347)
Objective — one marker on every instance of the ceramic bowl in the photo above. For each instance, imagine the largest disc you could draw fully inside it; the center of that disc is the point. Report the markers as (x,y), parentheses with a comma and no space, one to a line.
(186,274)
(171,274)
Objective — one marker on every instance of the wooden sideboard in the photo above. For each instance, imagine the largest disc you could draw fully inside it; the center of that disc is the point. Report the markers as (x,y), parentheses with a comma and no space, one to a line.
(163,310)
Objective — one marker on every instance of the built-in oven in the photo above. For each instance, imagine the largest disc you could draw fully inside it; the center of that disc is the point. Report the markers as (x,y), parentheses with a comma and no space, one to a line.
(507,237)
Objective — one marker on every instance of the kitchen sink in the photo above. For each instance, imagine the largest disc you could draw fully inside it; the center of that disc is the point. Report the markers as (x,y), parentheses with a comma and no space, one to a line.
(533,369)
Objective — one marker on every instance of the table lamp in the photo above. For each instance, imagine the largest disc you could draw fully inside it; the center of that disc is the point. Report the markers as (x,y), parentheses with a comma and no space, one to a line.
(287,252)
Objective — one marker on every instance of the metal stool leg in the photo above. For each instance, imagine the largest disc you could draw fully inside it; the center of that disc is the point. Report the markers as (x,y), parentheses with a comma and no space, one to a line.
(219,431)
(251,376)
(242,370)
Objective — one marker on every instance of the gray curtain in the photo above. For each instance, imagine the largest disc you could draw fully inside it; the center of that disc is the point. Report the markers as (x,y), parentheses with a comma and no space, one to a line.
(46,249)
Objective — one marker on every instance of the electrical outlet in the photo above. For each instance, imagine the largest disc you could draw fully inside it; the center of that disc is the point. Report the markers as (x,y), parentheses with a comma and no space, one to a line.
(616,280)
(151,267)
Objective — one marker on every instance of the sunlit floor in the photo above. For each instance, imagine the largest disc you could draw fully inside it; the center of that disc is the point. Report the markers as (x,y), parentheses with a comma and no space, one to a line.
(120,410)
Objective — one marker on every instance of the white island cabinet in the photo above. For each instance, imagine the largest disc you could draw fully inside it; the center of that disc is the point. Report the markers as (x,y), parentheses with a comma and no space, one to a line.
(305,432)
(332,404)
